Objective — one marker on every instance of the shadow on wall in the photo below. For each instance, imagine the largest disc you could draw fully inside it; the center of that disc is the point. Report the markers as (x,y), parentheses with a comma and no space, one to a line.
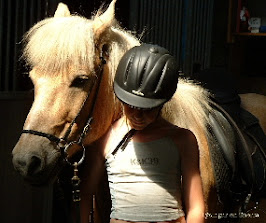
(19,202)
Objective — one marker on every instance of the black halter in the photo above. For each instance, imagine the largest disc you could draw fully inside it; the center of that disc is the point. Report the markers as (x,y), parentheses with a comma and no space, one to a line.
(62,143)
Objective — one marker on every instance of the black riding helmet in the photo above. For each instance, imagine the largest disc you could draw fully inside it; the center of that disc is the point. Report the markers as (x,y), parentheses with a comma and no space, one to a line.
(146,77)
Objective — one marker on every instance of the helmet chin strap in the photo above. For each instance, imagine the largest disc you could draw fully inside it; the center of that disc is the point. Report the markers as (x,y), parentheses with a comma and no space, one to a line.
(123,143)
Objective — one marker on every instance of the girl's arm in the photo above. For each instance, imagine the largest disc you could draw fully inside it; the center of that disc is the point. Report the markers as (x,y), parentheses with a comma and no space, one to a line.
(191,179)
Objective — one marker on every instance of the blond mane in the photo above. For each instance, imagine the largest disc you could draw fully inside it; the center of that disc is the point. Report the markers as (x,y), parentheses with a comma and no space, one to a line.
(57,44)
(189,108)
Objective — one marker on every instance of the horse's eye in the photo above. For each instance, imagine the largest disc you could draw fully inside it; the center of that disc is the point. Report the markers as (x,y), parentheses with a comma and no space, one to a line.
(80,81)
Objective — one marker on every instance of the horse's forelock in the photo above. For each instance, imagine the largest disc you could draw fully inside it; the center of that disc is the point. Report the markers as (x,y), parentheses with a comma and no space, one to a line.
(56,44)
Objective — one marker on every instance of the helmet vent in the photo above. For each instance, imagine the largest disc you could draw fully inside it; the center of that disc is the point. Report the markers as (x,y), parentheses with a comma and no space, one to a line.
(128,69)
(141,74)
(160,82)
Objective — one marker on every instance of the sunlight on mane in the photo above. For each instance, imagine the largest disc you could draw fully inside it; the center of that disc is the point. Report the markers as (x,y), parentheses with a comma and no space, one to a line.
(56,45)
(189,103)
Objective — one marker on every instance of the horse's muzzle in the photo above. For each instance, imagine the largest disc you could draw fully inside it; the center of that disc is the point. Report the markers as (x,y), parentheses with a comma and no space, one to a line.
(38,165)
(34,171)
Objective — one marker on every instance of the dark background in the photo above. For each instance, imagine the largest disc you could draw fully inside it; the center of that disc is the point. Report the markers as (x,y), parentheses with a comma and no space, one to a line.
(199,33)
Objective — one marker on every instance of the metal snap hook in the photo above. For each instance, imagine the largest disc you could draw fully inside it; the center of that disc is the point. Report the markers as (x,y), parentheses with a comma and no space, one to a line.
(72,146)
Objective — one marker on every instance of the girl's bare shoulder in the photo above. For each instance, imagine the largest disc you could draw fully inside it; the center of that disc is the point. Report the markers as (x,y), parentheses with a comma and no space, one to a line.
(177,132)
(184,139)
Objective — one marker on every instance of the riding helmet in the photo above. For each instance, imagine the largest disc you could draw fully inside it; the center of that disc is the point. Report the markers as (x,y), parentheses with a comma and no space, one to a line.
(146,77)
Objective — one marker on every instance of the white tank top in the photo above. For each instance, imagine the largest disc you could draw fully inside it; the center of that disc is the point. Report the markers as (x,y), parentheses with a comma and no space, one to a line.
(145,181)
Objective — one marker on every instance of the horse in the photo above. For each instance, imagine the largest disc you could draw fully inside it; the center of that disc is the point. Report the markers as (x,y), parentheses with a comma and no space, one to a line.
(73,62)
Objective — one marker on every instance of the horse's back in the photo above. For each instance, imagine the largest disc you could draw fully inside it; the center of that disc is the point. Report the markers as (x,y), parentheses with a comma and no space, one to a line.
(256,105)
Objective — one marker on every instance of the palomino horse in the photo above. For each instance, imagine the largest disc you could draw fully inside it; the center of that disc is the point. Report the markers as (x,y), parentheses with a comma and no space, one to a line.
(73,84)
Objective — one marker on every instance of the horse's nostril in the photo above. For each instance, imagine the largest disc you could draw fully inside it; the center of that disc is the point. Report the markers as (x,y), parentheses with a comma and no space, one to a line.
(21,163)
(35,165)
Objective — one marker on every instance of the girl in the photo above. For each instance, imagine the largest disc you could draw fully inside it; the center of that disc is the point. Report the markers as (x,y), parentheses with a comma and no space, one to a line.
(153,172)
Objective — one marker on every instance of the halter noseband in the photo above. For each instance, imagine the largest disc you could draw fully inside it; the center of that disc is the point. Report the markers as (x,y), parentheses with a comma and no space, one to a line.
(62,143)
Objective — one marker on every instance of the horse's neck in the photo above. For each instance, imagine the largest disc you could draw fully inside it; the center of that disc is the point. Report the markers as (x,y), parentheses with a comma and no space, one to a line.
(124,39)
(120,42)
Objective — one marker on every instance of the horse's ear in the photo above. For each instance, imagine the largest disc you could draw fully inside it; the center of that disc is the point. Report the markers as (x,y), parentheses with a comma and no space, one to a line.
(104,21)
(62,10)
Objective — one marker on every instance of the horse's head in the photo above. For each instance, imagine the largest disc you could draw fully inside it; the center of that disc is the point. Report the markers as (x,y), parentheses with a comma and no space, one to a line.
(65,56)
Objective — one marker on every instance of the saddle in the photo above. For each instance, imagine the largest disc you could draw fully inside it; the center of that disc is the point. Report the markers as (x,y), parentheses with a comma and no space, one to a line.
(242,154)
(238,149)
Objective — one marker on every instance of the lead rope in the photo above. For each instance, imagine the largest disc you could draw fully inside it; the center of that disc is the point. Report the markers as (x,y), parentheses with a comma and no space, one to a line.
(76,191)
